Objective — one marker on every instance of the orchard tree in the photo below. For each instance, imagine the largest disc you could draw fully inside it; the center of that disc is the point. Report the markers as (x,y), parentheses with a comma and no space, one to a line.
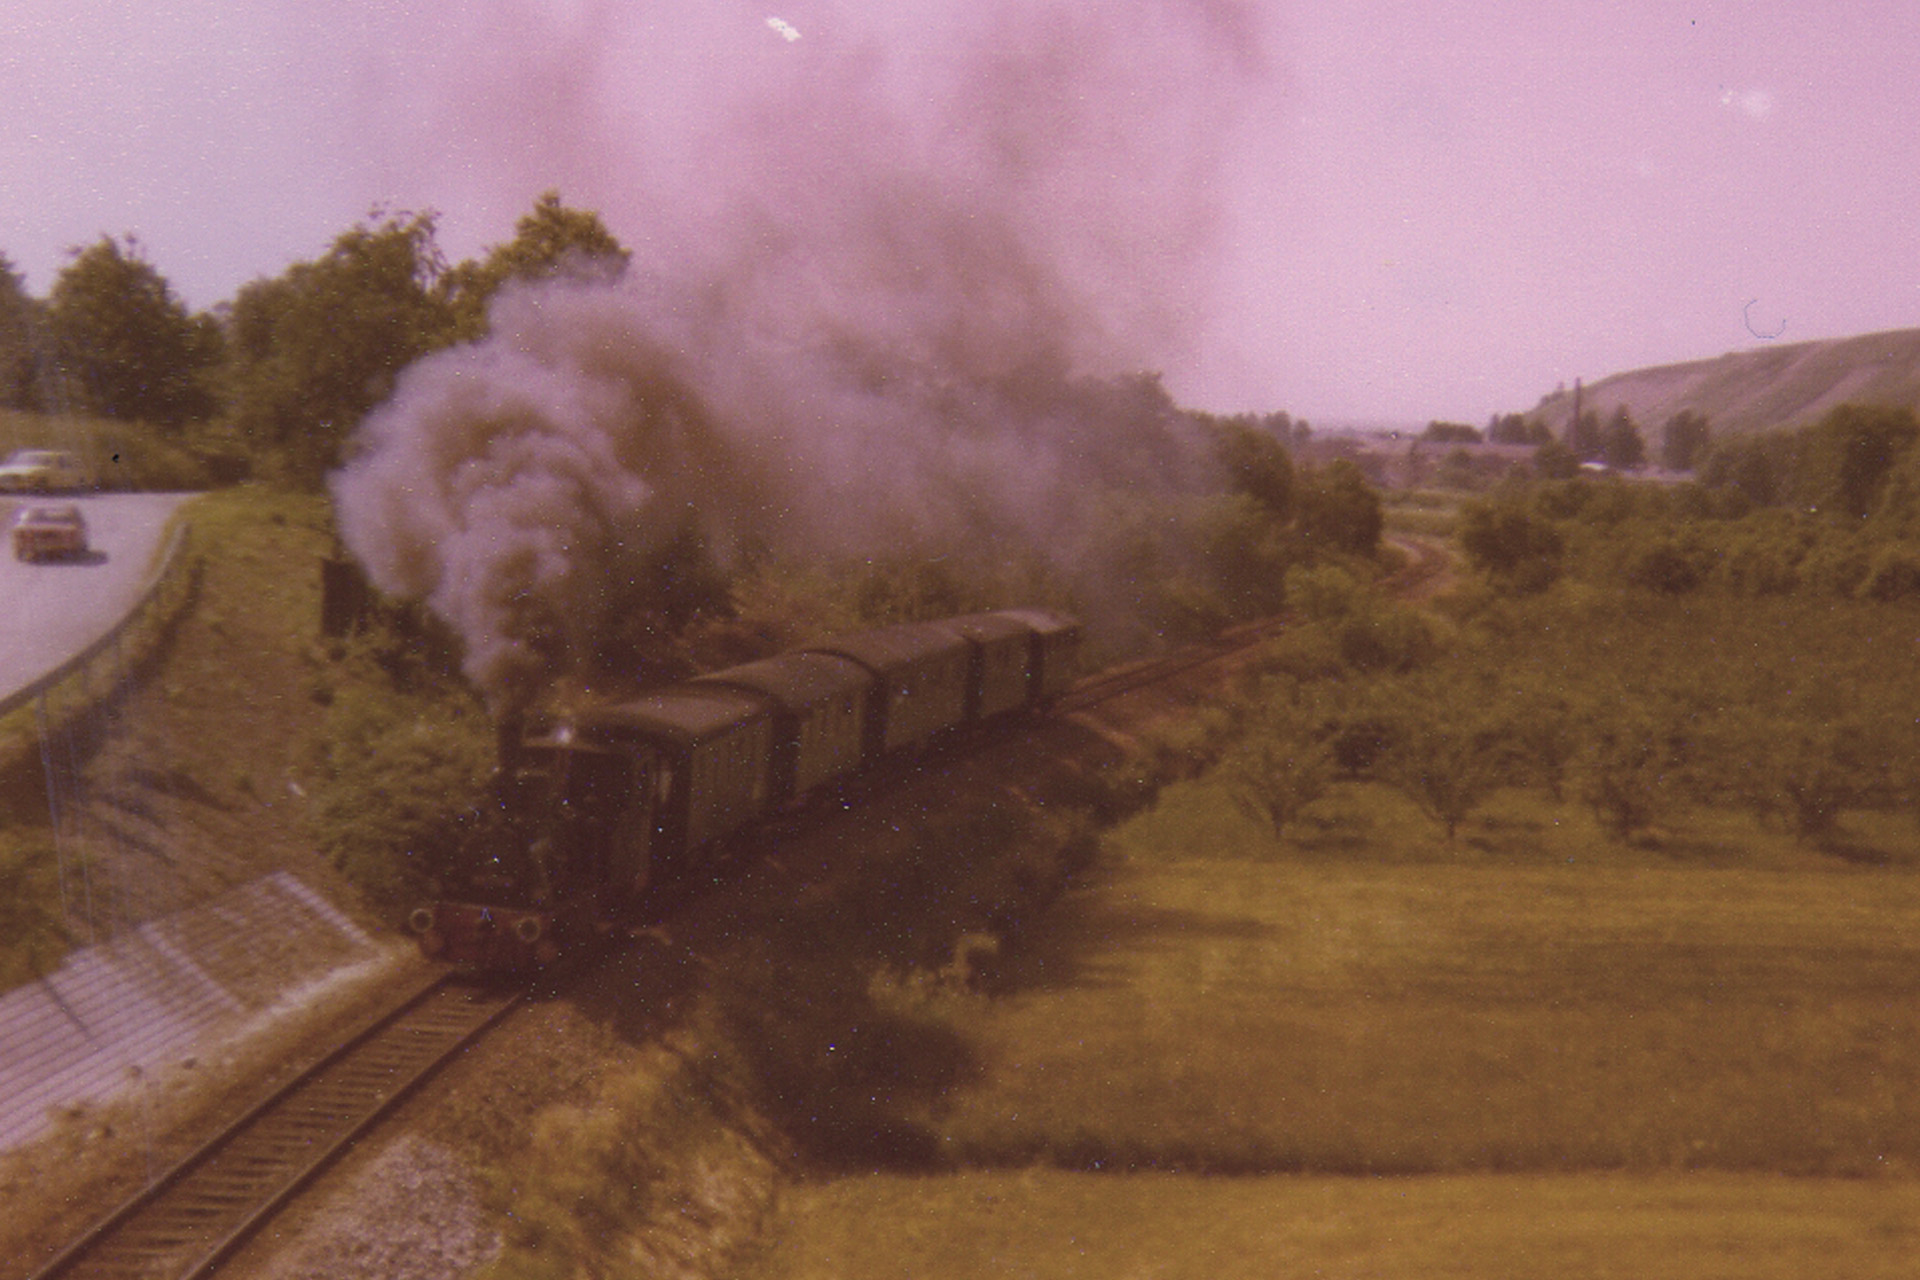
(122,345)
(1281,763)
(1634,761)
(314,349)
(1450,745)
(551,241)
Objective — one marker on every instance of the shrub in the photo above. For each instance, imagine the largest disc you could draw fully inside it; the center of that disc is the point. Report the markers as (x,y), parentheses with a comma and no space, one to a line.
(1518,550)
(400,758)
(1667,567)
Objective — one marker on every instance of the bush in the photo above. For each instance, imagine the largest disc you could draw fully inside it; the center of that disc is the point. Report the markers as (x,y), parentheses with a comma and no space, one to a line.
(1518,550)
(1666,567)
(401,758)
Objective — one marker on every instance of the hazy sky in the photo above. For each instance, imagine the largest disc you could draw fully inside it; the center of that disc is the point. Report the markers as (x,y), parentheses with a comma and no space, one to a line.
(1430,210)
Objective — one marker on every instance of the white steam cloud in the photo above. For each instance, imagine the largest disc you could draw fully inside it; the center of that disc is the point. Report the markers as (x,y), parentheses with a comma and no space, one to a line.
(887,316)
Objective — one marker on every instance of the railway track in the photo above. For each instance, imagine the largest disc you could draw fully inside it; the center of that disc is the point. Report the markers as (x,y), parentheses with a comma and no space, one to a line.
(189,1220)
(1106,685)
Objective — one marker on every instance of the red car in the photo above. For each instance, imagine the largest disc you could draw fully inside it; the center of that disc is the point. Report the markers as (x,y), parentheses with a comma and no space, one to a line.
(49,529)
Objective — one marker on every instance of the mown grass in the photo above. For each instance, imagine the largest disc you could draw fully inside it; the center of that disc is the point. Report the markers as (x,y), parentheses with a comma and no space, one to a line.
(1368,1050)
(1042,1222)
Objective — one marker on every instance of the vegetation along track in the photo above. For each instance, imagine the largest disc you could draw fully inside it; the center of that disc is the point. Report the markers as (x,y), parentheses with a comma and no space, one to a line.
(192,1218)
(1113,683)
(189,1220)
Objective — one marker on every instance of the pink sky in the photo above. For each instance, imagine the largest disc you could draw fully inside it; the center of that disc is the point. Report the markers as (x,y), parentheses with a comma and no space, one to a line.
(1426,210)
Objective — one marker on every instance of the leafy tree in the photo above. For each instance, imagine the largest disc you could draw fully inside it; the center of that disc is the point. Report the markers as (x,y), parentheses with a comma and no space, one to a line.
(1896,511)
(1666,566)
(123,346)
(1621,446)
(1517,428)
(1449,749)
(552,240)
(1338,509)
(1847,457)
(1805,772)
(1542,733)
(1583,436)
(1683,442)
(1632,762)
(313,350)
(1256,463)
(19,322)
(1438,432)
(1555,461)
(1510,545)
(1752,467)
(1281,763)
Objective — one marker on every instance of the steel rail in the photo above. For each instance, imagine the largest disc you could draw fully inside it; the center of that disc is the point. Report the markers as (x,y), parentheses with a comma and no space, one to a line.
(191,1219)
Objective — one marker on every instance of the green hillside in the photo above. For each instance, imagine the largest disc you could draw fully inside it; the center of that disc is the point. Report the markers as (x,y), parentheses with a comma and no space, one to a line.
(1788,385)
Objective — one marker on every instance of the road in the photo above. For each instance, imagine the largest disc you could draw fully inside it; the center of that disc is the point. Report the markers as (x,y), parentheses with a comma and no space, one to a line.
(51,610)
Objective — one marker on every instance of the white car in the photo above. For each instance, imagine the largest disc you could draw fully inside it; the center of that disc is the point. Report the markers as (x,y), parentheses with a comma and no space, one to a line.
(49,529)
(42,471)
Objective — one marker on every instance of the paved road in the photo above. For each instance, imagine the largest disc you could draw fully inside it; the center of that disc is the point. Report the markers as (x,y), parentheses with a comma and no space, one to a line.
(50,611)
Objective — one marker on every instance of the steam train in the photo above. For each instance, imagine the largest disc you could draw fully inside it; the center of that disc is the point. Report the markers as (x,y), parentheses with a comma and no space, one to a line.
(595,813)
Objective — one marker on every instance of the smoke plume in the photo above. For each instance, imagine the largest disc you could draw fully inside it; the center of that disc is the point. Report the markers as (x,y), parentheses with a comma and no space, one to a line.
(884,280)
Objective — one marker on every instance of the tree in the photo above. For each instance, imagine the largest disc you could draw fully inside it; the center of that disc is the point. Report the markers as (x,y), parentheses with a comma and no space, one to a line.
(1439,432)
(1449,748)
(1848,455)
(1621,446)
(1667,566)
(1256,464)
(1804,771)
(1633,759)
(1339,509)
(1751,467)
(1281,763)
(1583,436)
(20,321)
(1683,442)
(1517,428)
(1510,545)
(122,345)
(313,350)
(550,241)
(1555,461)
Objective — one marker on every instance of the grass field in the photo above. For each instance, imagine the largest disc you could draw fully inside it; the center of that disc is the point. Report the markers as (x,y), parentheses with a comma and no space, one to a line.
(1068,1226)
(1371,1052)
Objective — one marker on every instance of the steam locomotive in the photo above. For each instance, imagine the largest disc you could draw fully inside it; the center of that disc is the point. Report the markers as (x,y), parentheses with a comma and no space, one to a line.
(595,813)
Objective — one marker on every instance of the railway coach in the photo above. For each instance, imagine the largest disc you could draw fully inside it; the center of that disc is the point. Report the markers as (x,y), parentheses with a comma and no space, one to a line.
(595,811)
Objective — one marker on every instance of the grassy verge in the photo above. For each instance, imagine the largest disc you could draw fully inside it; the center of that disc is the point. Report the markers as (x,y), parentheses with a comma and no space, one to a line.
(202,773)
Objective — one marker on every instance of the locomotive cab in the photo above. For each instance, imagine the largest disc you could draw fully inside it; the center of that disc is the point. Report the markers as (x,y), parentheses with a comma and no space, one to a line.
(565,851)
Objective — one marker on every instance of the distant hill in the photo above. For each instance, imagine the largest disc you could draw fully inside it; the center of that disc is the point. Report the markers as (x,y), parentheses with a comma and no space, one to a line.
(1776,386)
